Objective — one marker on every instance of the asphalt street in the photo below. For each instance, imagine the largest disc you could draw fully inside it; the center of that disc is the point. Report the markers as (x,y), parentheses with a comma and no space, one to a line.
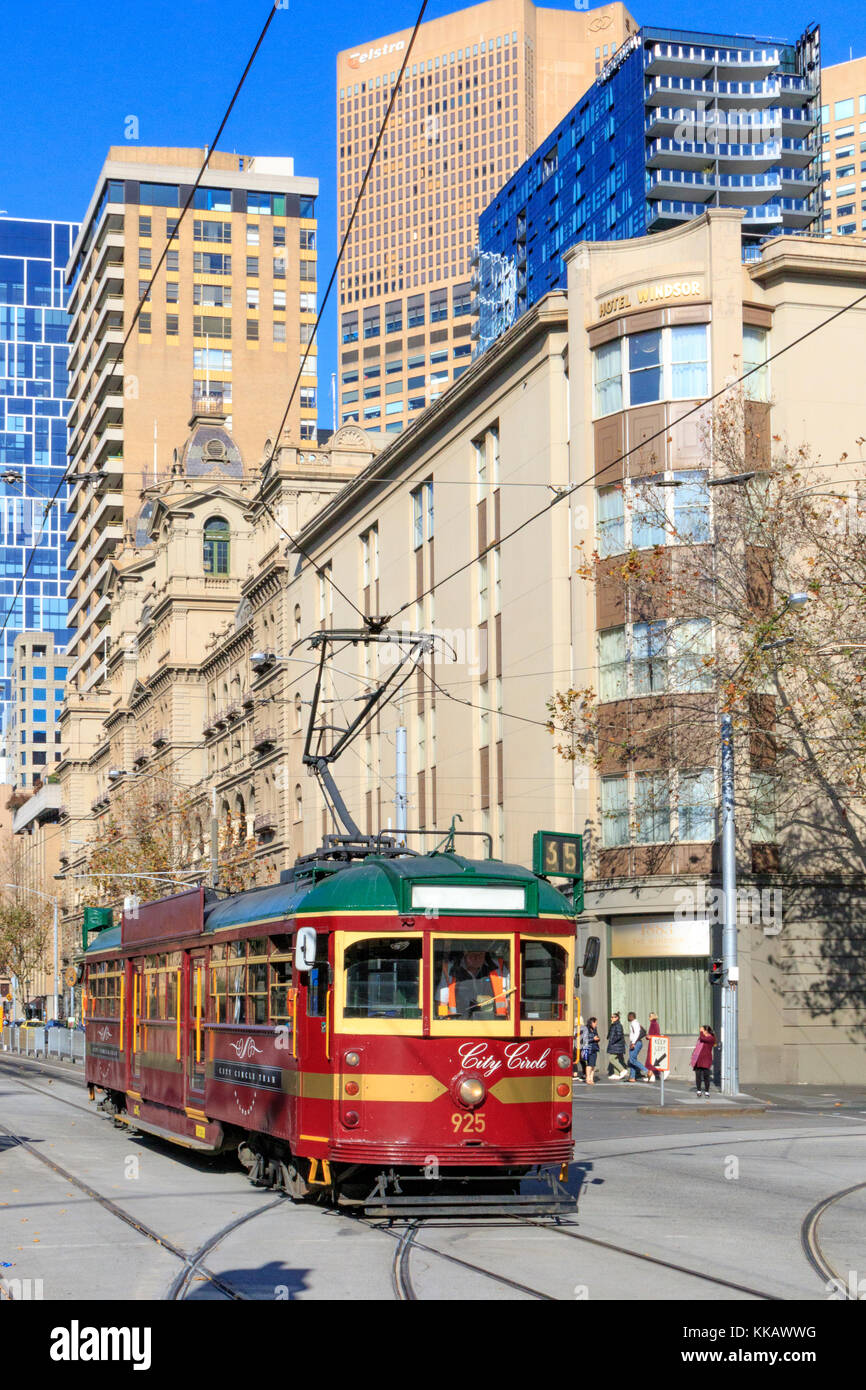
(705,1202)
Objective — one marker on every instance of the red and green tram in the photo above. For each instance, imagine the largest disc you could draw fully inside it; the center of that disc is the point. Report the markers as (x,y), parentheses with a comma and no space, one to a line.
(357,1025)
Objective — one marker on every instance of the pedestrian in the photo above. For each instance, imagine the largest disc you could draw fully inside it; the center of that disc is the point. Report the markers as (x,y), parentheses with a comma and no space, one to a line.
(616,1049)
(590,1051)
(636,1035)
(653,1031)
(702,1059)
(579,1063)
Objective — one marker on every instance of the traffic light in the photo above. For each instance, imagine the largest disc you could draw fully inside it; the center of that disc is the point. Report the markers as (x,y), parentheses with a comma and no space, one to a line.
(716,972)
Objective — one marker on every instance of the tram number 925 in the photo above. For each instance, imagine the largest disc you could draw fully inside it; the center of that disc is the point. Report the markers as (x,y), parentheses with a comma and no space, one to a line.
(468,1124)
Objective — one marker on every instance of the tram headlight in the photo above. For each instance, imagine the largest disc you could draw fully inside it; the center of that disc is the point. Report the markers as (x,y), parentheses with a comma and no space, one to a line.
(352,1059)
(564,1061)
(471,1092)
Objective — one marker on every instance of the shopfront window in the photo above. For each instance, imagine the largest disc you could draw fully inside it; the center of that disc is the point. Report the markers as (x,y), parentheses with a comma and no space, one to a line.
(544,976)
(676,988)
(383,978)
(472,978)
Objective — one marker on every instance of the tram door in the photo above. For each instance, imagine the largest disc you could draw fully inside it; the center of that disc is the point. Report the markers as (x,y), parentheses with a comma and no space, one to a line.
(196,1016)
(136,1032)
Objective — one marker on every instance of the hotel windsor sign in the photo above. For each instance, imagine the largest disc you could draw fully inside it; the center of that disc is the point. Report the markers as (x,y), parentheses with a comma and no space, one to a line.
(660,292)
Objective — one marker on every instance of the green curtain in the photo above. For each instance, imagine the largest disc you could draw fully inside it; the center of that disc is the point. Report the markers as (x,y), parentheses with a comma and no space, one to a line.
(678,990)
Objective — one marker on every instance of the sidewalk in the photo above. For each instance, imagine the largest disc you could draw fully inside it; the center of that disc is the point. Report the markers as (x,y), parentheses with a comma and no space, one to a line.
(681,1094)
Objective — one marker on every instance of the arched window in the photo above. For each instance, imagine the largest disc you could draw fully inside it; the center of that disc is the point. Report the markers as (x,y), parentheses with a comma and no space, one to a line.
(215,549)
(298,714)
(297,622)
(299,803)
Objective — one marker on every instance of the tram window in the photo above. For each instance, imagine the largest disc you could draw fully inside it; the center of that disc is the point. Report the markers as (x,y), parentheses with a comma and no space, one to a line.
(472,978)
(318,981)
(218,990)
(281,983)
(236,981)
(543,968)
(257,990)
(383,978)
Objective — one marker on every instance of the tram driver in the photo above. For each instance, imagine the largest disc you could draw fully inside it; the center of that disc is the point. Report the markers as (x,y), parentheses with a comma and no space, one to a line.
(474,985)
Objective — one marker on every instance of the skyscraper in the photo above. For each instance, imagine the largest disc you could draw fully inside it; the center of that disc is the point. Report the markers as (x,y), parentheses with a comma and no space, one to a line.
(33,410)
(676,123)
(484,86)
(843,138)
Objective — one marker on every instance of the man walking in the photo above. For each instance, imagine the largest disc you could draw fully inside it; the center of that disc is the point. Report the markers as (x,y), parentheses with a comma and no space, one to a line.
(636,1035)
(616,1049)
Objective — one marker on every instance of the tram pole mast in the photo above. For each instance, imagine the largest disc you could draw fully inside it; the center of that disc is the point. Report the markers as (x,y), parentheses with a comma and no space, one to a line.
(401,798)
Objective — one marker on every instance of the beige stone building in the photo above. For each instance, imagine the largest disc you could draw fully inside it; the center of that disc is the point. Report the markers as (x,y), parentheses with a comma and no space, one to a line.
(467,525)
(484,86)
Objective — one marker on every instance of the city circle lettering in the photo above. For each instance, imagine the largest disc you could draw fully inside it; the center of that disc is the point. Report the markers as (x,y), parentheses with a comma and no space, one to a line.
(356,59)
(516,1056)
(649,294)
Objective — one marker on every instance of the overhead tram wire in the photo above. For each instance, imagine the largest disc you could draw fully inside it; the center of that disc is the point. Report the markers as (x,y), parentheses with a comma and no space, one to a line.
(138,308)
(319,569)
(592,477)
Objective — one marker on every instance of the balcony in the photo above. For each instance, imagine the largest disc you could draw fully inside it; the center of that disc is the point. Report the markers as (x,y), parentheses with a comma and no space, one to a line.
(265,823)
(140,757)
(666,213)
(232,713)
(264,739)
(208,728)
(735,158)
(690,60)
(160,738)
(247,700)
(663,182)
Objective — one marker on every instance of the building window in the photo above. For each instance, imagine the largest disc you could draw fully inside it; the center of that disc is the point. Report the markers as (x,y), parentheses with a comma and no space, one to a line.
(691,502)
(171,292)
(171,325)
(279,235)
(614,812)
(280,301)
(608,378)
(663,364)
(144,323)
(611,521)
(252,234)
(252,330)
(764,792)
(755,349)
(648,515)
(211,231)
(652,808)
(252,266)
(144,226)
(144,258)
(172,262)
(279,332)
(696,810)
(422,513)
(645,367)
(252,297)
(215,551)
(308,239)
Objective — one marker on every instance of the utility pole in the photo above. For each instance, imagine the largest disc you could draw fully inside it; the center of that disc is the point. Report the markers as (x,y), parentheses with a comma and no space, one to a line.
(56,968)
(730,981)
(401,798)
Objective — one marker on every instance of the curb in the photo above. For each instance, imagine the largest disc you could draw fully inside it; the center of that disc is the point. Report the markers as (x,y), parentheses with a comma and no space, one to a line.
(688,1112)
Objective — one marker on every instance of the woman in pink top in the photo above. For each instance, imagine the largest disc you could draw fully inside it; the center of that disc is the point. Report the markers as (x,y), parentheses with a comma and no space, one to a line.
(702,1059)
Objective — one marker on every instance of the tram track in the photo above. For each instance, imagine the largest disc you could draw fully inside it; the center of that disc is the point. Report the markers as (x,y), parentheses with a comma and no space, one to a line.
(813,1250)
(192,1262)
(409,1239)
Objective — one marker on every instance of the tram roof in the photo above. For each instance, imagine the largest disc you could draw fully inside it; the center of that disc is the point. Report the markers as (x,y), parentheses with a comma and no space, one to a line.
(385,884)
(106,940)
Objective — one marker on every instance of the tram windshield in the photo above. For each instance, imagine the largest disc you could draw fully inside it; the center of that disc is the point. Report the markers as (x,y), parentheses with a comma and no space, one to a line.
(383,978)
(544,972)
(472,978)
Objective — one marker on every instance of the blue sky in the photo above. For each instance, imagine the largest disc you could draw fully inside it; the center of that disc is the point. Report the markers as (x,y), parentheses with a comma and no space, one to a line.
(73,72)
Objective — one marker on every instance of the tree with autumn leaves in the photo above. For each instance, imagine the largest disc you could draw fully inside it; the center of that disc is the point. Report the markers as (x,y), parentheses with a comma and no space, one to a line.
(157,829)
(713,629)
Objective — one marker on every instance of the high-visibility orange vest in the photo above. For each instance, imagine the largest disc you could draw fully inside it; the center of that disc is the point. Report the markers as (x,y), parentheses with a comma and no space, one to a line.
(497,982)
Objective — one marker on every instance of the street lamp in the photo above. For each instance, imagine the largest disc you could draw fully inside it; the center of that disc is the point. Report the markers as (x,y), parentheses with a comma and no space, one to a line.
(730,967)
(19,888)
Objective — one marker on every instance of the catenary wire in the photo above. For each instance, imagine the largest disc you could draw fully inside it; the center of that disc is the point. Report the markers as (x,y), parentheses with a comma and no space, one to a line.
(319,569)
(635,448)
(138,308)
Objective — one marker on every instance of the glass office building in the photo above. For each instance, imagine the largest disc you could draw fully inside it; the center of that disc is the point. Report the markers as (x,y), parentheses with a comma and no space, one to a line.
(675,123)
(33,410)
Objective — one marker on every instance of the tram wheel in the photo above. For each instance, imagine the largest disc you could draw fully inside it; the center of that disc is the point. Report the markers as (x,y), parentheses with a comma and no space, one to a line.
(294,1182)
(246,1156)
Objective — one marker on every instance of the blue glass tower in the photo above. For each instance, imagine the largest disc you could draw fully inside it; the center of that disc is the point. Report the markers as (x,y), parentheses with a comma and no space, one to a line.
(675,123)
(33,411)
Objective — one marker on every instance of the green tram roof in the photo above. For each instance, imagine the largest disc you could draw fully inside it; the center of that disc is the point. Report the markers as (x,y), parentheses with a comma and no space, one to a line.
(106,940)
(384,884)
